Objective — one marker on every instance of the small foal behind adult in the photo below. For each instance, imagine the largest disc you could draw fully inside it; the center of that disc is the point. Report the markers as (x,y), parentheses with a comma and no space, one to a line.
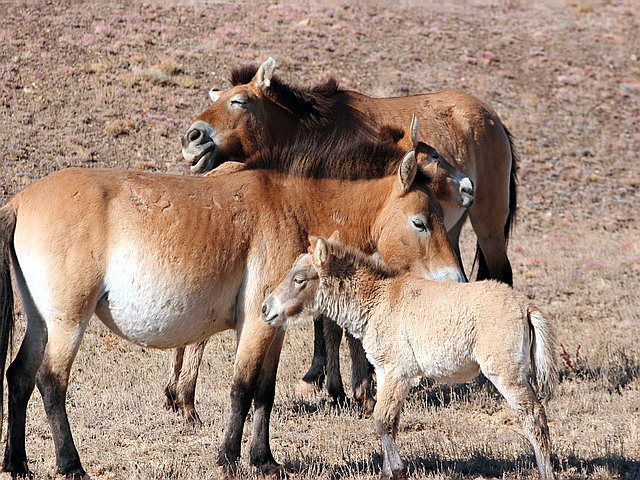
(412,327)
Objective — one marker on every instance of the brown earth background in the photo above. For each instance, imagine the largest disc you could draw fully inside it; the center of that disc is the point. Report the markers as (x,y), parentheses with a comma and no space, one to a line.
(98,85)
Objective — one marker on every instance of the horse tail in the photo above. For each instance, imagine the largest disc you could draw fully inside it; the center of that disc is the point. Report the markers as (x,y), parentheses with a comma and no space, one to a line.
(543,347)
(7,229)
(513,193)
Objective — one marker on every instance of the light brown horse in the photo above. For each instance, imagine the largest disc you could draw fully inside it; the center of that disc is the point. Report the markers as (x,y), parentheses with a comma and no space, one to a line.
(361,159)
(166,261)
(412,327)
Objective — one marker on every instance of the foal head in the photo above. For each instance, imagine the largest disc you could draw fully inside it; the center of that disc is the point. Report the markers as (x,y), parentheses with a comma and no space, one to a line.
(309,286)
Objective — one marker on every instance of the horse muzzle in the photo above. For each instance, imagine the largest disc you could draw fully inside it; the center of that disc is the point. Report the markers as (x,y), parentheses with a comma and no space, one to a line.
(271,312)
(466,193)
(199,147)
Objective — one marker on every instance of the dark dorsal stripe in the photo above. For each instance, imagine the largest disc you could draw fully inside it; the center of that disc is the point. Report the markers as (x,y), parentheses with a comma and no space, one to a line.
(345,158)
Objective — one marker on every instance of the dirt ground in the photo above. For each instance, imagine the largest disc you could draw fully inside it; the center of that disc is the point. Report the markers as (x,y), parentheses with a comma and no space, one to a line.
(116,84)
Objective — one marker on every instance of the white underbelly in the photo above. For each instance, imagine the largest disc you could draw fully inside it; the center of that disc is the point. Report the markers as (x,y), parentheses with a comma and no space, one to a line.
(159,308)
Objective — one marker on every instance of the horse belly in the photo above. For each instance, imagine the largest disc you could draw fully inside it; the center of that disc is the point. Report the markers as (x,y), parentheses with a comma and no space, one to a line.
(158,308)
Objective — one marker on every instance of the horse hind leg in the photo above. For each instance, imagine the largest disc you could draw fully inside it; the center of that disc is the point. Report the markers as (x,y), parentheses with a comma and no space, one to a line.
(21,380)
(180,391)
(523,400)
(52,381)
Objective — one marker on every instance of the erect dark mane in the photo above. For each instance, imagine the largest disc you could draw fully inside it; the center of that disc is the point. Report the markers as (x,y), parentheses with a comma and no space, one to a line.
(346,254)
(345,159)
(314,107)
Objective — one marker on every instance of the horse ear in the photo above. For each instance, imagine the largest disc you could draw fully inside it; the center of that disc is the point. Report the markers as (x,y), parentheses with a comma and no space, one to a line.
(320,253)
(214,94)
(335,237)
(262,79)
(412,132)
(407,171)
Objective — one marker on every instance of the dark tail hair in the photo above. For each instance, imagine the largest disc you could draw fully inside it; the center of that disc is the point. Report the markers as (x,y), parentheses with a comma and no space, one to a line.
(7,228)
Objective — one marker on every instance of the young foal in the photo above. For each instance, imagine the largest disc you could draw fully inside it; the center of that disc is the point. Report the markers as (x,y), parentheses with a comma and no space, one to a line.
(412,327)
(165,261)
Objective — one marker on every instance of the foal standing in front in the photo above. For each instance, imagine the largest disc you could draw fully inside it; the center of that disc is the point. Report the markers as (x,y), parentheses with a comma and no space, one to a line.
(412,327)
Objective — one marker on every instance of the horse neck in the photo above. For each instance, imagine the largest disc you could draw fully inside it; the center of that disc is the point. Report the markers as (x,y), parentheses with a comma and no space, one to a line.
(350,207)
(351,301)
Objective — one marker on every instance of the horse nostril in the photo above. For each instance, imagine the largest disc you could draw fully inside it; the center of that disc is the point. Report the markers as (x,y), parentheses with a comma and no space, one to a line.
(264,309)
(194,134)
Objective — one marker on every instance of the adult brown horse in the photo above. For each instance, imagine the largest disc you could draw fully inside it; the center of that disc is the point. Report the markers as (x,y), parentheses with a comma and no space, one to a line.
(261,110)
(166,261)
(360,160)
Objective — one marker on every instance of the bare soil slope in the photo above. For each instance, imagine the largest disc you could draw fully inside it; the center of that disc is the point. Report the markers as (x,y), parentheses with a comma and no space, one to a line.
(100,84)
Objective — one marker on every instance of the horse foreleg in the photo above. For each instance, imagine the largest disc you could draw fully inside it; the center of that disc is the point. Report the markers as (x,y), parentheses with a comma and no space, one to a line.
(361,376)
(186,392)
(21,380)
(314,378)
(391,394)
(255,338)
(492,247)
(52,381)
(332,338)
(260,452)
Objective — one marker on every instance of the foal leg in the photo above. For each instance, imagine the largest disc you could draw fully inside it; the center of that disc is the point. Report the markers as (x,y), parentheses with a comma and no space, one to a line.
(392,392)
(314,378)
(333,337)
(52,381)
(21,379)
(522,399)
(260,451)
(186,389)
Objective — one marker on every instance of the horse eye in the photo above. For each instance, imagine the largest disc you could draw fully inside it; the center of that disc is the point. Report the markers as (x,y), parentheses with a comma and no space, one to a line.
(298,280)
(419,224)
(238,102)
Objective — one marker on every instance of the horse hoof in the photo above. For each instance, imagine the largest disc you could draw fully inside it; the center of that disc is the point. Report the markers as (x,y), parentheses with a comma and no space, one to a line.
(307,388)
(367,407)
(273,470)
(192,418)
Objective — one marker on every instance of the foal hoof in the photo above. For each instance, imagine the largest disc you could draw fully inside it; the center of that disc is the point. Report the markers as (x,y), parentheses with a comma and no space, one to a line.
(192,418)
(307,388)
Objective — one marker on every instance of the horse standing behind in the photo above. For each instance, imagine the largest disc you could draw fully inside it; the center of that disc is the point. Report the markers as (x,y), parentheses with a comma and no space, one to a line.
(411,327)
(165,261)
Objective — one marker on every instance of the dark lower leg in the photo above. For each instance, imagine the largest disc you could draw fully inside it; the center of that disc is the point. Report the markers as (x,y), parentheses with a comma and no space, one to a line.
(499,270)
(316,373)
(260,451)
(53,390)
(186,391)
(361,376)
(333,337)
(171,388)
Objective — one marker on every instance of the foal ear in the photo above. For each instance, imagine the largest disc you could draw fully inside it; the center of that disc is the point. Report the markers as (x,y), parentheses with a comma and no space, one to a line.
(335,237)
(312,243)
(262,79)
(407,171)
(214,94)
(320,253)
